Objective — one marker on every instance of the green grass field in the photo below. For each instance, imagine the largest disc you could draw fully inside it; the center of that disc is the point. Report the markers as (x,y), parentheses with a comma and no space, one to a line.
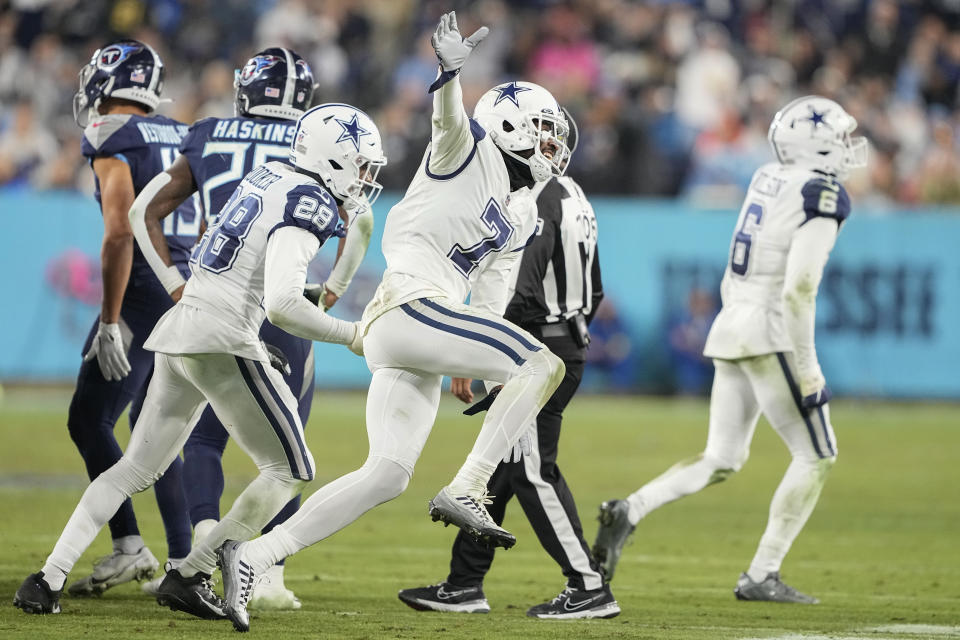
(880,551)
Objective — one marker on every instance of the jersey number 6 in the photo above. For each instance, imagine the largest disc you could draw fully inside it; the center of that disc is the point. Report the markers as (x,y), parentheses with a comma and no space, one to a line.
(743,239)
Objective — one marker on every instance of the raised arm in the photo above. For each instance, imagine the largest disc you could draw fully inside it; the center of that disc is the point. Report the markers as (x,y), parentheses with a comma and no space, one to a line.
(159,198)
(451,140)
(808,256)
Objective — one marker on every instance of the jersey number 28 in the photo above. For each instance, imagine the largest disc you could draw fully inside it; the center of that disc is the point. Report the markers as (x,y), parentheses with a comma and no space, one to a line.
(218,248)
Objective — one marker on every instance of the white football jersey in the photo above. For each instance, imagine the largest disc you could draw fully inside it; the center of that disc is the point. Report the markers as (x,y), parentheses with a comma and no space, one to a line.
(779,201)
(222,305)
(449,228)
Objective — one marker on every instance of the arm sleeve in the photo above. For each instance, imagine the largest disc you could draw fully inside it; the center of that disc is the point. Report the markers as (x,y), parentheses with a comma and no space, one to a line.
(355,247)
(168,275)
(289,252)
(808,256)
(451,141)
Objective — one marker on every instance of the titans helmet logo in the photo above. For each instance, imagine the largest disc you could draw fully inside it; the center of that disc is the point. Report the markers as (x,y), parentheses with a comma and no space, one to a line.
(256,65)
(110,57)
(509,92)
(352,131)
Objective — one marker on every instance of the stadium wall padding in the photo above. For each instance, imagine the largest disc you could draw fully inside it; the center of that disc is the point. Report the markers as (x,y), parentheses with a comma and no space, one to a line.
(887,316)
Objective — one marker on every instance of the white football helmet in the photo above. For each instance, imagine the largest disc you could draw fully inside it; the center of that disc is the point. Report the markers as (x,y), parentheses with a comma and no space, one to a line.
(814,132)
(341,144)
(519,116)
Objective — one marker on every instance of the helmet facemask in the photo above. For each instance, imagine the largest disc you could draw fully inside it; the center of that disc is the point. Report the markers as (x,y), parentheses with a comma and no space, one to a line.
(536,130)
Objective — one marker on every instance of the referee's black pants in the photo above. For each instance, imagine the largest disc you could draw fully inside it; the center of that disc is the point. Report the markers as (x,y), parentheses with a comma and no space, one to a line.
(541,490)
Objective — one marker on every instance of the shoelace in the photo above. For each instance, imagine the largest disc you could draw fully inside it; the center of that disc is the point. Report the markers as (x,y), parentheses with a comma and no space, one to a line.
(565,594)
(207,585)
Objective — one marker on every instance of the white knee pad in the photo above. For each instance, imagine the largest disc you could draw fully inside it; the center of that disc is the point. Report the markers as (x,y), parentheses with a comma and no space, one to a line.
(386,478)
(129,477)
(546,368)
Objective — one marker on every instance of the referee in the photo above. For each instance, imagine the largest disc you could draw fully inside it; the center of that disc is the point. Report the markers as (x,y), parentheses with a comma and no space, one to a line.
(556,293)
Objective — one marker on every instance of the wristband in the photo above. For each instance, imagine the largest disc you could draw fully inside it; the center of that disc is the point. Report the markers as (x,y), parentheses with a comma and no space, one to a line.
(171,279)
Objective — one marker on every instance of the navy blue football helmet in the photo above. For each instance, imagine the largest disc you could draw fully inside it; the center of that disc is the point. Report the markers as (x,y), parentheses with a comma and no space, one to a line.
(275,83)
(127,69)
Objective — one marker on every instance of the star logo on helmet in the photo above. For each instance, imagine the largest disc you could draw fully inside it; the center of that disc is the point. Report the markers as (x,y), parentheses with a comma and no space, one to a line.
(509,92)
(816,118)
(113,55)
(352,131)
(253,68)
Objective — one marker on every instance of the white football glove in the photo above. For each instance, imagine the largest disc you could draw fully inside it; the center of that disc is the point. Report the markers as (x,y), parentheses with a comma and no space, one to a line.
(107,348)
(523,447)
(357,344)
(451,47)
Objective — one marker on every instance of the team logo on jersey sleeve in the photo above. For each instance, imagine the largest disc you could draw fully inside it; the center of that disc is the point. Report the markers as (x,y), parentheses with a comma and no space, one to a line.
(509,92)
(352,131)
(113,55)
(253,68)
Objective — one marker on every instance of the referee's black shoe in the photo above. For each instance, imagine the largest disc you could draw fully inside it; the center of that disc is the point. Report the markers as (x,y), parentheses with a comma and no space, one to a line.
(446,597)
(578,603)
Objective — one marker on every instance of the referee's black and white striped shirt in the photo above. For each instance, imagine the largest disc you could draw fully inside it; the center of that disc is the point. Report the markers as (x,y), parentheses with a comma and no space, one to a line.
(559,275)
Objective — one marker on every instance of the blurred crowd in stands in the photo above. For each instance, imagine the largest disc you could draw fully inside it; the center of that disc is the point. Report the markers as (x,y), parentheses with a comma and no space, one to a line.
(672,98)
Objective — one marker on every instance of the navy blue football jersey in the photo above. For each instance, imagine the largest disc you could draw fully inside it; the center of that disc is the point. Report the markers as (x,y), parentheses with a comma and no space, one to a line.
(221,151)
(148,144)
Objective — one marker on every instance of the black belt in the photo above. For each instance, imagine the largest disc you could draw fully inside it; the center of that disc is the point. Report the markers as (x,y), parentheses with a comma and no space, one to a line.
(553,330)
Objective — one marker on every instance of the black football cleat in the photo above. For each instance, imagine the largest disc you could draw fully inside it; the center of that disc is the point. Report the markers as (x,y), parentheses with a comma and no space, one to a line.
(36,596)
(193,595)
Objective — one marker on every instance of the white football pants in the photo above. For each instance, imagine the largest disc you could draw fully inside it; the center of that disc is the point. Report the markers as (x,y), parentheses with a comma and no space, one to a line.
(742,389)
(409,349)
(260,414)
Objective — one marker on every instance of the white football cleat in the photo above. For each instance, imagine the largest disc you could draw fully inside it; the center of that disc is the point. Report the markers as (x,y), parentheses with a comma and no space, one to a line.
(114,569)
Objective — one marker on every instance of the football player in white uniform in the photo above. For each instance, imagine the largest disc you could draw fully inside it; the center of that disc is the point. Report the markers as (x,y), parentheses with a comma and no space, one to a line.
(251,264)
(457,231)
(762,342)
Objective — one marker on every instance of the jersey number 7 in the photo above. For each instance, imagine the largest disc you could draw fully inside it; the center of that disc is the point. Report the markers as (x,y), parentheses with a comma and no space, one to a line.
(467,259)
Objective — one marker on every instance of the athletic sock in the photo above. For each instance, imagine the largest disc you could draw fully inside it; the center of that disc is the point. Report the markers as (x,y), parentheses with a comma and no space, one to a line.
(128,545)
(54,577)
(263,553)
(472,478)
(202,529)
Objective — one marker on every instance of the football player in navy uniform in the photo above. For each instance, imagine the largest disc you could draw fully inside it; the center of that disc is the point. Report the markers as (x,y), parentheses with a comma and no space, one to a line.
(273,89)
(127,145)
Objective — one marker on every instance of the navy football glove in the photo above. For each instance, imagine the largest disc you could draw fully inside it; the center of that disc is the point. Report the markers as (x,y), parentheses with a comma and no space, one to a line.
(277,359)
(484,404)
(817,399)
